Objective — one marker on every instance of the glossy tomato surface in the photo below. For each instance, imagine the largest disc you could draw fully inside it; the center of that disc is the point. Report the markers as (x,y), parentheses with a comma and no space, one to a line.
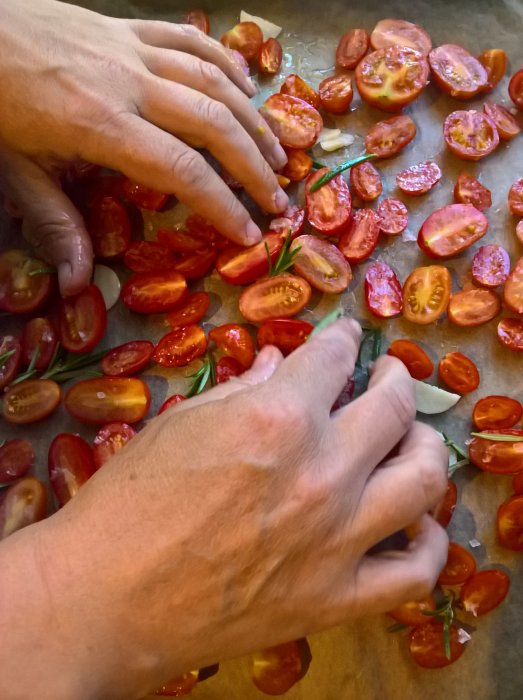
(180,241)
(277,669)
(360,238)
(109,227)
(469,190)
(109,440)
(286,334)
(24,503)
(504,120)
(282,296)
(38,340)
(452,229)
(470,134)
(383,292)
(180,346)
(473,307)
(443,512)
(494,61)
(513,290)
(515,89)
(419,179)
(30,401)
(490,265)
(509,523)
(108,399)
(427,648)
(192,310)
(515,198)
(16,458)
(517,484)
(244,37)
(411,614)
(295,122)
(11,350)
(336,93)
(399,32)
(366,181)
(415,359)
(23,288)
(393,216)
(148,256)
(298,166)
(484,591)
(498,456)
(270,57)
(127,359)
(426,294)
(459,567)
(390,136)
(458,372)
(496,413)
(199,19)
(510,333)
(238,265)
(180,686)
(142,196)
(82,320)
(226,368)
(295,86)
(351,48)
(235,341)
(328,209)
(457,72)
(195,265)
(70,463)
(321,264)
(290,222)
(171,401)
(154,292)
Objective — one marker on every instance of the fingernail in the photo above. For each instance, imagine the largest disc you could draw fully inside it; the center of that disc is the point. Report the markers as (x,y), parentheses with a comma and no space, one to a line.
(280,200)
(279,156)
(252,87)
(252,233)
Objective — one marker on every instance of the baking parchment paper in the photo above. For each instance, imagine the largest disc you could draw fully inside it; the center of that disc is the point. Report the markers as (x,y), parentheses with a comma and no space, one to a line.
(361,660)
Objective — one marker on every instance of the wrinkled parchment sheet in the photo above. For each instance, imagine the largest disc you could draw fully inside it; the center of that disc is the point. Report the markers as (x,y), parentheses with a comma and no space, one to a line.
(360,660)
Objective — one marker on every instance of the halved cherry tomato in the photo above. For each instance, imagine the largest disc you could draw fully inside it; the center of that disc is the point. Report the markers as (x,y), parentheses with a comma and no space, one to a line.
(458,372)
(298,166)
(198,226)
(427,647)
(519,231)
(171,401)
(457,72)
(329,208)
(295,123)
(321,264)
(148,256)
(452,229)
(419,179)
(414,358)
(470,134)
(459,567)
(360,238)
(515,88)
(142,196)
(442,513)
(291,221)
(127,359)
(399,32)
(390,136)
(177,687)
(82,320)
(180,346)
(496,456)
(517,484)
(282,296)
(195,265)
(109,440)
(410,613)
(154,292)
(31,401)
(16,458)
(237,265)
(22,287)
(198,19)
(108,399)
(494,61)
(393,216)
(510,333)
(24,503)
(391,78)
(484,591)
(235,341)
(227,367)
(469,190)
(496,413)
(490,265)
(297,87)
(336,93)
(505,122)
(383,291)
(352,47)
(244,37)
(181,241)
(509,522)
(515,198)
(286,334)
(473,307)
(366,181)
(109,227)
(277,669)
(513,290)
(426,294)
(9,367)
(71,463)
(38,336)
(270,57)
(193,310)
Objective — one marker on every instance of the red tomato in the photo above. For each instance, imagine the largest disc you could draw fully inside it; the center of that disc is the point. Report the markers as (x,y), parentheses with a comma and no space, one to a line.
(237,265)
(451,230)
(39,336)
(24,503)
(399,32)
(9,368)
(383,291)
(329,208)
(366,181)
(16,458)
(419,179)
(227,367)
(352,47)
(22,291)
(410,613)
(180,346)
(177,687)
(457,72)
(142,196)
(496,413)
(517,484)
(513,290)
(286,334)
(484,591)
(414,358)
(473,307)
(391,78)
(82,320)
(509,522)
(321,264)
(297,87)
(360,238)
(298,166)
(193,310)
(496,456)
(390,136)
(198,226)
(109,227)
(345,396)
(510,333)
(291,221)
(127,359)
(108,399)
(468,190)
(494,61)
(505,122)
(154,292)
(109,440)
(30,401)
(470,134)
(181,241)
(244,37)
(515,198)
(198,19)
(195,265)
(393,216)
(282,296)
(295,123)
(71,463)
(427,648)
(277,669)
(458,372)
(459,567)
(426,294)
(148,256)
(336,93)
(235,341)
(171,401)
(442,513)
(515,88)
(519,231)
(490,265)
(270,57)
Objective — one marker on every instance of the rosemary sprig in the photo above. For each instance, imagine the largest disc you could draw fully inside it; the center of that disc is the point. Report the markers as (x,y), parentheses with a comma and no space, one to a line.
(373,334)
(397,627)
(318,166)
(285,258)
(453,468)
(326,321)
(445,614)
(5,356)
(340,169)
(454,446)
(202,377)
(498,437)
(61,369)
(42,271)
(30,371)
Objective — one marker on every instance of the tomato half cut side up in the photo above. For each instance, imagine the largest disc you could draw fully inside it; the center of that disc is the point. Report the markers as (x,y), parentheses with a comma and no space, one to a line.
(10,347)
(192,266)
(226,368)
(154,292)
(415,359)
(399,32)
(496,456)
(473,307)
(282,296)
(510,333)
(70,462)
(458,372)
(16,458)
(443,512)
(390,136)
(192,310)
(470,134)
(469,190)
(82,320)
(515,89)
(490,265)
(515,198)
(505,122)
(180,346)
(127,359)
(109,227)
(270,57)
(366,181)
(244,37)
(321,264)
(295,86)
(294,122)
(393,216)
(24,503)
(426,294)
(328,209)
(419,179)
(277,669)
(109,440)
(298,166)
(459,567)
(286,334)
(450,230)
(351,48)
(427,647)
(336,93)
(235,341)
(484,591)
(108,399)
(148,256)
(237,265)
(411,614)
(496,413)
(494,61)
(457,72)
(181,241)
(142,196)
(360,238)
(509,523)
(23,288)
(38,336)
(383,292)
(30,401)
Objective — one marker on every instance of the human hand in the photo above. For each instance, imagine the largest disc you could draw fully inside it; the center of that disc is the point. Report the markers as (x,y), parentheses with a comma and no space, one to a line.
(136,96)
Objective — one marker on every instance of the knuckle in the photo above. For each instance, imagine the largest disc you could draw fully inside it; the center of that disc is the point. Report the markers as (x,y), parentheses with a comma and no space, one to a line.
(400,397)
(189,168)
(218,116)
(209,73)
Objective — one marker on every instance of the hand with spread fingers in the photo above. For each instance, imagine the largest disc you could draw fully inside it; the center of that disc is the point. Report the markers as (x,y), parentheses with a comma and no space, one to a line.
(136,96)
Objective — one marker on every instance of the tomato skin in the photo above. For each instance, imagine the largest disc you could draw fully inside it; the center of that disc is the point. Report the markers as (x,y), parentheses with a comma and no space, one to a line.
(427,648)
(180,346)
(193,310)
(244,37)
(291,221)
(177,687)
(277,669)
(227,367)
(82,320)
(109,227)
(517,484)
(270,57)
(443,512)
(360,238)
(470,134)
(415,359)
(192,266)
(171,401)
(496,413)
(390,136)
(484,591)
(515,89)
(282,296)
(108,399)
(458,372)
(198,226)
(235,341)
(510,333)
(181,241)
(426,294)
(513,290)
(286,334)
(199,19)
(127,359)
(154,292)
(509,522)
(473,307)
(71,463)
(419,179)
(410,613)
(399,32)
(143,197)
(351,48)
(383,291)
(21,292)
(457,72)
(297,87)
(148,256)
(38,333)
(494,61)
(24,503)
(336,93)
(519,231)
(450,230)
(393,216)
(496,456)
(321,264)
(109,440)
(366,181)
(490,266)
(329,208)
(298,166)
(238,265)
(505,122)
(16,458)
(515,198)
(469,190)
(459,567)
(294,122)
(9,369)
(30,401)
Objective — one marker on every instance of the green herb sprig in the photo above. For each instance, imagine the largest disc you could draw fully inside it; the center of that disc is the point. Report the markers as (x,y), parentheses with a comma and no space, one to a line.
(326,321)
(63,366)
(444,614)
(202,377)
(327,177)
(285,259)
(42,271)
(498,437)
(5,356)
